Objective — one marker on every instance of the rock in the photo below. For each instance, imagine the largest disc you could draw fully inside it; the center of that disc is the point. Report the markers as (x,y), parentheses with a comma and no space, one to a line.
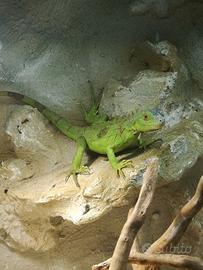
(160,56)
(39,204)
(36,143)
(36,221)
(162,89)
(194,52)
(181,148)
(15,170)
(119,100)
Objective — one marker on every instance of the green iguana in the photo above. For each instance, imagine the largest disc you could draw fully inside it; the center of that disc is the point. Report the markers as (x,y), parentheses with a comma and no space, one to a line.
(101,136)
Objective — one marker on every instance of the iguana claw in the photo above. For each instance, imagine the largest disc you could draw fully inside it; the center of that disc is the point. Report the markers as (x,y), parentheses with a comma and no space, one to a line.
(123,164)
(74,173)
(83,170)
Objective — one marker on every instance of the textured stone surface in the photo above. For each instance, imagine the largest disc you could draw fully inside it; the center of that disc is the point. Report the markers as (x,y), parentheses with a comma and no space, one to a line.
(36,197)
(161,86)
(119,100)
(163,89)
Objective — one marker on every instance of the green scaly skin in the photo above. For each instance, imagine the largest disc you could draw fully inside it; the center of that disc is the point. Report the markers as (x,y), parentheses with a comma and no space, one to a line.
(101,136)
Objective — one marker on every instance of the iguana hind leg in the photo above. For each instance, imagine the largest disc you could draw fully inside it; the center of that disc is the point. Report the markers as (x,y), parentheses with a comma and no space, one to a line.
(76,167)
(117,165)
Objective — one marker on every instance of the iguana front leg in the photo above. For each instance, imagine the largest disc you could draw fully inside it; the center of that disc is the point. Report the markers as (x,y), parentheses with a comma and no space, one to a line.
(76,167)
(118,166)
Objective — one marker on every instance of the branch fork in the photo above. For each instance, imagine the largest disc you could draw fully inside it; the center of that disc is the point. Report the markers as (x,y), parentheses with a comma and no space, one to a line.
(152,259)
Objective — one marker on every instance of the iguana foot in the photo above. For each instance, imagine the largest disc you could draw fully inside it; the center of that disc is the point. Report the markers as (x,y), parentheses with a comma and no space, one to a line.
(123,164)
(83,170)
(74,173)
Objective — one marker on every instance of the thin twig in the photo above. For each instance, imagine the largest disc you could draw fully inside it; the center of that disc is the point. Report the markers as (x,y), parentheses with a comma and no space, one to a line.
(179,225)
(171,235)
(135,219)
(178,261)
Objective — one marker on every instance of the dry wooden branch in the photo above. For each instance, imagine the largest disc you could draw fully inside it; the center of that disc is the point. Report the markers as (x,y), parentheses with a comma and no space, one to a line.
(102,266)
(179,224)
(135,219)
(181,221)
(179,261)
(171,235)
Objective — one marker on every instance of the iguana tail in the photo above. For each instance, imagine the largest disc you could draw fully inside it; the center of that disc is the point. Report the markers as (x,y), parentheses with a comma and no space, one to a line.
(64,126)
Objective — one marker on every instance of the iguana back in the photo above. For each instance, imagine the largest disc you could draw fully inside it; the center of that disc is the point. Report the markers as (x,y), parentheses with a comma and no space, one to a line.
(113,134)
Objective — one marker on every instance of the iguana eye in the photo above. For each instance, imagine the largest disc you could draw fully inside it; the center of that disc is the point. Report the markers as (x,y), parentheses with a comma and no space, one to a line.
(145,117)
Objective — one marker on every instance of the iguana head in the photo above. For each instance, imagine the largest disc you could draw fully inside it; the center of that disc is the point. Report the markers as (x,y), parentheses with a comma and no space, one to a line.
(146,121)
